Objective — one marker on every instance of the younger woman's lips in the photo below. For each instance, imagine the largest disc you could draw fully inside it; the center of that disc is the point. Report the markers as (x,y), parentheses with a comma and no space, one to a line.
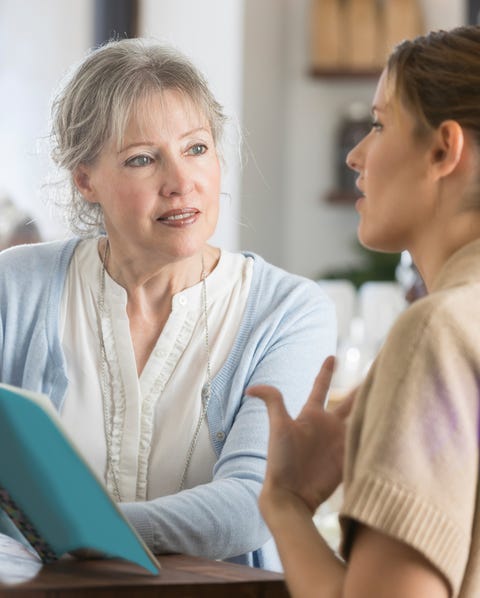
(359,202)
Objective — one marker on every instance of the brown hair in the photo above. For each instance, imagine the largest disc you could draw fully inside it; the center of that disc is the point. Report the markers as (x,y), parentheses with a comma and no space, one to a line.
(437,77)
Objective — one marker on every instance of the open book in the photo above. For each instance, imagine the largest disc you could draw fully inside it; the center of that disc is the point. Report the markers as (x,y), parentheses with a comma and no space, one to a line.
(50,494)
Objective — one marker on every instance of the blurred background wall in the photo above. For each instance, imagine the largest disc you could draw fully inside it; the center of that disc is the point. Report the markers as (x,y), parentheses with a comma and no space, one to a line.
(256,56)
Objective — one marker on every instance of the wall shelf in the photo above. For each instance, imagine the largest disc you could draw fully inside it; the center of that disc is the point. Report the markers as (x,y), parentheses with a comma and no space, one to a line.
(336,74)
(342,197)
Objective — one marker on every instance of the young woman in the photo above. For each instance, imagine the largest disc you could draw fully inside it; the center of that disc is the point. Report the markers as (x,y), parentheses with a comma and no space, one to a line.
(143,334)
(411,513)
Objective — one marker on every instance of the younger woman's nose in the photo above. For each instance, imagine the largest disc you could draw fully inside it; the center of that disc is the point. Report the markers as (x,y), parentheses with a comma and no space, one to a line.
(353,159)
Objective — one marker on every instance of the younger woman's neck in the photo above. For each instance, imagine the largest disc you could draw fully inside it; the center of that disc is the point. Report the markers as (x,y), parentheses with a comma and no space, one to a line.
(430,254)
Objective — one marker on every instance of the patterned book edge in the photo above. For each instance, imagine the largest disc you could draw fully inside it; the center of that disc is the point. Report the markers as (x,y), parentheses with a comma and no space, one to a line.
(25,526)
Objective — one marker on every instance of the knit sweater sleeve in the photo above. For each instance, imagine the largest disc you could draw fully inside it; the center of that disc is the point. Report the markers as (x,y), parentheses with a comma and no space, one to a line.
(412,458)
(31,285)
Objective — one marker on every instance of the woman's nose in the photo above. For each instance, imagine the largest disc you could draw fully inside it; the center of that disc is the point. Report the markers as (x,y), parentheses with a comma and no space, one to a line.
(353,159)
(176,179)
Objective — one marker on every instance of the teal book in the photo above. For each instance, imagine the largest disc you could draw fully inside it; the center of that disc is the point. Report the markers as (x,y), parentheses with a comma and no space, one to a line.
(49,497)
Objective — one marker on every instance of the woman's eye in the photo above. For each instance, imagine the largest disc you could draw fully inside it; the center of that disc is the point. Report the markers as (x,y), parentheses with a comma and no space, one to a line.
(376,126)
(138,161)
(197,149)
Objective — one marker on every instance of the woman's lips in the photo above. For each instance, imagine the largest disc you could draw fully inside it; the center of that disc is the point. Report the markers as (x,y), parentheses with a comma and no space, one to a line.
(361,199)
(179,218)
(359,202)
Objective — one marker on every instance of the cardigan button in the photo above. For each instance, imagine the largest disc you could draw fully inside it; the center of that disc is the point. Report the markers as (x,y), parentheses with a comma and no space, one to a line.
(220,435)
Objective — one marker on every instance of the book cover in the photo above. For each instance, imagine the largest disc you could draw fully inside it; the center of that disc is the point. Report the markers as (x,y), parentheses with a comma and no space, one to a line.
(49,492)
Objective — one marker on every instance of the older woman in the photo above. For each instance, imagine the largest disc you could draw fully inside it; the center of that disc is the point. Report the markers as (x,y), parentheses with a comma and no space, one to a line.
(143,335)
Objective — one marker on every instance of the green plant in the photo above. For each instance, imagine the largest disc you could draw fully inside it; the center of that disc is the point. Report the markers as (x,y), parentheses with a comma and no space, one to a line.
(373,266)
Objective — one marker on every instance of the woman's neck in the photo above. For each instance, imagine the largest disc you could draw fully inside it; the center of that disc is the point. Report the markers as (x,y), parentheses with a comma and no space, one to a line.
(144,277)
(150,292)
(437,245)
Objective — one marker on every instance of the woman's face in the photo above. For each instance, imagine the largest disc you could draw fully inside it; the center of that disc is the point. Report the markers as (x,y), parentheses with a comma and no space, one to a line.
(392,164)
(160,189)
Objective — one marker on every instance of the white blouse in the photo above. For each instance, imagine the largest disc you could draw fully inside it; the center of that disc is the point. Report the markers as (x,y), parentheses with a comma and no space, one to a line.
(154,416)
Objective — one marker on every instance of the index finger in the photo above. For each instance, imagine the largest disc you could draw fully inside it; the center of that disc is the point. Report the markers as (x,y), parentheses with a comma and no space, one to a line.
(322,381)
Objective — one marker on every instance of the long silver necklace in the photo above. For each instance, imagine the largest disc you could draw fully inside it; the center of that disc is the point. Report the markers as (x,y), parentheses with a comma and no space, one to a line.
(207,387)
(106,383)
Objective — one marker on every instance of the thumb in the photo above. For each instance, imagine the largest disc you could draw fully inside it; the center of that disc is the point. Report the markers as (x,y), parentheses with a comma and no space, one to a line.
(344,408)
(272,398)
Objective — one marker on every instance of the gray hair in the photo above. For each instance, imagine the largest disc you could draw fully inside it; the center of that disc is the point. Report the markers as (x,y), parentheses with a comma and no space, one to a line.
(97,100)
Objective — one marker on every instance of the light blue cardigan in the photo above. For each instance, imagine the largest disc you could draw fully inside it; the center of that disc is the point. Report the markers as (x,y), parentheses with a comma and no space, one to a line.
(288,328)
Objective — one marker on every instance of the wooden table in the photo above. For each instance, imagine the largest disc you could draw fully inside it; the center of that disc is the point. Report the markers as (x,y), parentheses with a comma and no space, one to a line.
(22,576)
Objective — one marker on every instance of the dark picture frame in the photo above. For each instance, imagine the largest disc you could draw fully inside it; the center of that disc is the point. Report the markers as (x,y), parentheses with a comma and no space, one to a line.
(473,16)
(115,19)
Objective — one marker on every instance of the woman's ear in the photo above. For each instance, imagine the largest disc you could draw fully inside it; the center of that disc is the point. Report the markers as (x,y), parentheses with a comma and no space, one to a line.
(447,147)
(81,178)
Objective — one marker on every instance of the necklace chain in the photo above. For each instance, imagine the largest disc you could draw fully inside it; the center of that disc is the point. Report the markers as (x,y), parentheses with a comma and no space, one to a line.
(207,387)
(106,385)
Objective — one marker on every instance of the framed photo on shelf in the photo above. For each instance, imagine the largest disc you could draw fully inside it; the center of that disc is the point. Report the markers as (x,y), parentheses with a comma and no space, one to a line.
(115,19)
(473,15)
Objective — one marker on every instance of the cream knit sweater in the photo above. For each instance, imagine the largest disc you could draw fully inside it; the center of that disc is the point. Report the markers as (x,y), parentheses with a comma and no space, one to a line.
(412,461)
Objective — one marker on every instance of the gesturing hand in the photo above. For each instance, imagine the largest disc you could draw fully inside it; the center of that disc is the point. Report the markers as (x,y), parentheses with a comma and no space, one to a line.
(305,455)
